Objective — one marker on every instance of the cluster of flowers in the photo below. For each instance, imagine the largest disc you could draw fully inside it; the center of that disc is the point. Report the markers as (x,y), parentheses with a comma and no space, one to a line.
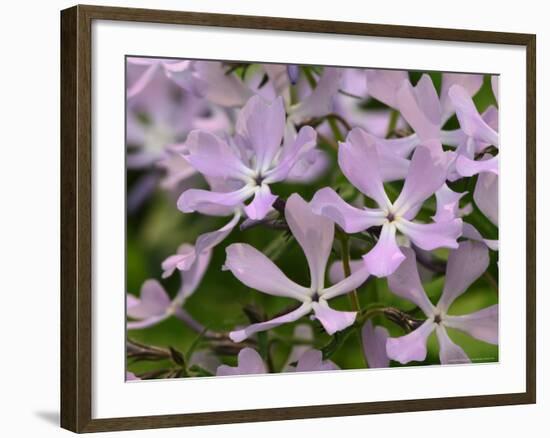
(244,128)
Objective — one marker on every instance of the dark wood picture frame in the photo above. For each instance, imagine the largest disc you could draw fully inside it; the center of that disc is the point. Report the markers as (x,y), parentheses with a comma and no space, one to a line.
(76,217)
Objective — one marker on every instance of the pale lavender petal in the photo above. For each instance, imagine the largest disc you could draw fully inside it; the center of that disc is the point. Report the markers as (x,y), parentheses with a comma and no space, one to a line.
(464,266)
(312,360)
(302,332)
(482,324)
(315,235)
(356,279)
(177,169)
(412,346)
(138,86)
(374,345)
(486,195)
(419,106)
(470,82)
(153,301)
(147,322)
(449,352)
(131,376)
(319,102)
(402,146)
(191,279)
(447,202)
(223,89)
(358,160)
(354,81)
(241,335)
(262,126)
(293,151)
(212,156)
(261,204)
(249,362)
(383,85)
(336,270)
(207,241)
(427,173)
(332,320)
(328,203)
(393,167)
(182,260)
(385,257)
(141,159)
(469,232)
(405,282)
(490,115)
(187,79)
(433,235)
(255,270)
(470,120)
(467,167)
(203,201)
(310,167)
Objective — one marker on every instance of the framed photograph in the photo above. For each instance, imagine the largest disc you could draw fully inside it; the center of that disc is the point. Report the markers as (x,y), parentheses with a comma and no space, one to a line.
(268,218)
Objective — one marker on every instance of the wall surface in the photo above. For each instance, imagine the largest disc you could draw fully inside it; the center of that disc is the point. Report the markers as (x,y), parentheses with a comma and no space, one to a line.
(29,232)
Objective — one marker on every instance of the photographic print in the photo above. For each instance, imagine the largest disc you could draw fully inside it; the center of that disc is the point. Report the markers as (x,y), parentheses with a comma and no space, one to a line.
(308,218)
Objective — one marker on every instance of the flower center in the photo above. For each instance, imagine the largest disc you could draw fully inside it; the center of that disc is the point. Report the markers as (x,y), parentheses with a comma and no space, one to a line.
(437,319)
(315,297)
(258,179)
(390,217)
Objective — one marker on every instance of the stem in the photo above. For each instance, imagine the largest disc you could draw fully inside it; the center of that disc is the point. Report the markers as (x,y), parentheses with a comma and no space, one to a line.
(353,296)
(394,117)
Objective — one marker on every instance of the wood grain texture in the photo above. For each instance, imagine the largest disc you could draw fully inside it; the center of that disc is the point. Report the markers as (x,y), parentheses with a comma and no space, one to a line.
(76,224)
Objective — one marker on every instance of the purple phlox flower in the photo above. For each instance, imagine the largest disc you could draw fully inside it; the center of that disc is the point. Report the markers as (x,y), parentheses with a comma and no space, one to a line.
(318,101)
(374,345)
(486,195)
(249,362)
(177,172)
(480,130)
(315,236)
(187,256)
(374,121)
(142,72)
(312,164)
(131,376)
(448,205)
(448,208)
(464,266)
(359,161)
(155,305)
(426,112)
(303,357)
(312,360)
(383,85)
(222,88)
(312,101)
(252,164)
(162,115)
